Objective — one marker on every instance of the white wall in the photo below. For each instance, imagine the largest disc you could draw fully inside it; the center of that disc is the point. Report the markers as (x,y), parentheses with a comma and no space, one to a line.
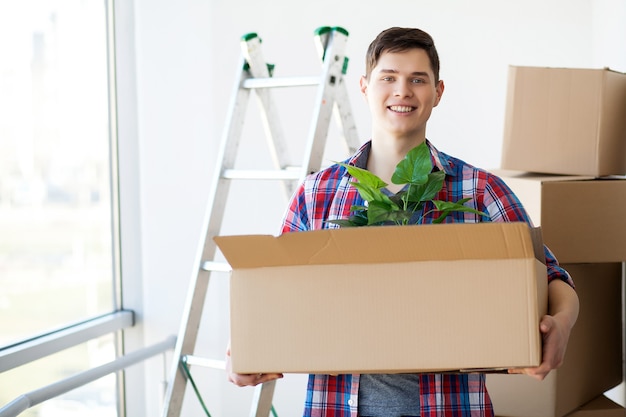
(184,63)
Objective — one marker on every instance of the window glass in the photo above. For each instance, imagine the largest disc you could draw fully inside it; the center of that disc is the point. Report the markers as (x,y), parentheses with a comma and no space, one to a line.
(56,258)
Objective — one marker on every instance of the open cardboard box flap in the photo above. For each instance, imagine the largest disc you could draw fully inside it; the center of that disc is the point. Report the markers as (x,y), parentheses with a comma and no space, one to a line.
(390,244)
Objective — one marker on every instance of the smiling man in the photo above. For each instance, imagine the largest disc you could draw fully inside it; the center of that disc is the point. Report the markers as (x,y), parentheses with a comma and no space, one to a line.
(401,87)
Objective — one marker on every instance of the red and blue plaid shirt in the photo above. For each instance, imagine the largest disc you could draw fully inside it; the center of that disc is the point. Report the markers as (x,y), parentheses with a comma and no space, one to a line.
(328,195)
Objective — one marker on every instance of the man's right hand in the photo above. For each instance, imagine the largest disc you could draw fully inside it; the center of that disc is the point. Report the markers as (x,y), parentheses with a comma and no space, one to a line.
(245,380)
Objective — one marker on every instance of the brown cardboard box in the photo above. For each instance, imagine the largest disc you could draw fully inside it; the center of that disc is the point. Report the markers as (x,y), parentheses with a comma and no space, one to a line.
(581,218)
(565,121)
(386,299)
(593,361)
(600,407)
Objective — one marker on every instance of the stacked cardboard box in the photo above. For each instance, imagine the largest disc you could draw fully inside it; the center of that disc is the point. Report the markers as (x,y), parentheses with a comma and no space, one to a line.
(581,217)
(570,123)
(565,121)
(593,361)
(599,407)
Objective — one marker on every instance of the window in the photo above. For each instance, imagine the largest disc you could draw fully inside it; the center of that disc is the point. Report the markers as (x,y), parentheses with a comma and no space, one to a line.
(57,239)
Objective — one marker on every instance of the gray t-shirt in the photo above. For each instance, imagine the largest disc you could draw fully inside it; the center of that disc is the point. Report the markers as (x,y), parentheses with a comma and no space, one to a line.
(389,395)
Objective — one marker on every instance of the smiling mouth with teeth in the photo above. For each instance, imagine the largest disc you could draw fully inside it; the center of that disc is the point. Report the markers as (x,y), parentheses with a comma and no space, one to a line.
(401,109)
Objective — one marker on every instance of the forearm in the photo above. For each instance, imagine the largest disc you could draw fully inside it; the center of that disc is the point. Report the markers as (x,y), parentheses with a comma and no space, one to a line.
(563,303)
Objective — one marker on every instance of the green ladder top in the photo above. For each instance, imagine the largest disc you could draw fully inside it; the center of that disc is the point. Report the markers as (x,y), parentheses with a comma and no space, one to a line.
(322,30)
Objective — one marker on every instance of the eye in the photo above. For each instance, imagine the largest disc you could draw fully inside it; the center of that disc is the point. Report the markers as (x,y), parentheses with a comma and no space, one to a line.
(418,81)
(387,78)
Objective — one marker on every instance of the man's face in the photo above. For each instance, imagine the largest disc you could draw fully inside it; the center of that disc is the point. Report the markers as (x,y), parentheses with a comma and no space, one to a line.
(401,92)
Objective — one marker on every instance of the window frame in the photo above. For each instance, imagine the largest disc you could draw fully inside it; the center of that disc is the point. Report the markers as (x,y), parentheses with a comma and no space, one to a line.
(42,345)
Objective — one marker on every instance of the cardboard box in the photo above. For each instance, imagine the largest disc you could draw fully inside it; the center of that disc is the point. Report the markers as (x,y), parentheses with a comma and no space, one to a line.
(593,361)
(565,121)
(600,407)
(386,299)
(581,218)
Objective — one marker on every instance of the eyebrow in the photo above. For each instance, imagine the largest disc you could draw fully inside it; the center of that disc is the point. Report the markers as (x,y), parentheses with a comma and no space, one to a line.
(415,73)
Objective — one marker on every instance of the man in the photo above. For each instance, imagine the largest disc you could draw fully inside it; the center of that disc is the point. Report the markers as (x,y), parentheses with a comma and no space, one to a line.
(401,87)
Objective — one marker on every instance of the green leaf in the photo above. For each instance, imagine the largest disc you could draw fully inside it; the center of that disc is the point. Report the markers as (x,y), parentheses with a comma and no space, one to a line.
(379,211)
(401,217)
(364,176)
(447,206)
(343,222)
(415,166)
(426,192)
(369,193)
(442,216)
(357,219)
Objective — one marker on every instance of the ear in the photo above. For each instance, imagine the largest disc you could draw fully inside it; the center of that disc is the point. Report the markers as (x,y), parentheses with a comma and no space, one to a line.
(439,91)
(363,84)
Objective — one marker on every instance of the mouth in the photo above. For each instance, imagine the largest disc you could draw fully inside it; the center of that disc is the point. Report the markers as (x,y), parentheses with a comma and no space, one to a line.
(401,109)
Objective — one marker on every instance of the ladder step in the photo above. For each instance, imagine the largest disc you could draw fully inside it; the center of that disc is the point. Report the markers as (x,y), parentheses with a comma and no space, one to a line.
(206,362)
(272,82)
(291,173)
(216,266)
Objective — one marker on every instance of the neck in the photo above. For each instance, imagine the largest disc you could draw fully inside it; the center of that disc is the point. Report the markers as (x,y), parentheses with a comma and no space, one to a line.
(385,155)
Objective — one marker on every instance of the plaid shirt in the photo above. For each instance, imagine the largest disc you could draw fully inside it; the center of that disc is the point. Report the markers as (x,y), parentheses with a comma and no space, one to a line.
(328,195)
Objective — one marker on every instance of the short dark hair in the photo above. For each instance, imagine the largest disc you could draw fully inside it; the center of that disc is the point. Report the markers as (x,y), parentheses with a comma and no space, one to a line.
(397,39)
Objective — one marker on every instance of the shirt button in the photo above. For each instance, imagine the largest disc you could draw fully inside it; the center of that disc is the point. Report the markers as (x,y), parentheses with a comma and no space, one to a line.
(351,402)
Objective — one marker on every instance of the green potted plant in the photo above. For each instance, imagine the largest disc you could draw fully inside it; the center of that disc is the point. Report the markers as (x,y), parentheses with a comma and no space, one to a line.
(415,170)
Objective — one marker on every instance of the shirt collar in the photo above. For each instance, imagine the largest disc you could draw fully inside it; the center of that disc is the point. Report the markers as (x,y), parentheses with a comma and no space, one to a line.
(440,160)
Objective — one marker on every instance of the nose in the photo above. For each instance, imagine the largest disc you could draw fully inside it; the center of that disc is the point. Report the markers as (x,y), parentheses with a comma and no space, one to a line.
(403,89)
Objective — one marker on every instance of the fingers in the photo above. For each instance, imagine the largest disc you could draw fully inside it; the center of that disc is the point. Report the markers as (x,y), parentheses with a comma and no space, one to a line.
(552,351)
(546,323)
(245,380)
(539,373)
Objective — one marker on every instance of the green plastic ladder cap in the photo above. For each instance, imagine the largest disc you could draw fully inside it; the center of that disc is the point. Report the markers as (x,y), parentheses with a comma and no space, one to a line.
(344,69)
(249,36)
(322,30)
(340,29)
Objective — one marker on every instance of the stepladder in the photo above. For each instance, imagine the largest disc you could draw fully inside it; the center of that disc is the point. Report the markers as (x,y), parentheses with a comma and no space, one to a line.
(255,77)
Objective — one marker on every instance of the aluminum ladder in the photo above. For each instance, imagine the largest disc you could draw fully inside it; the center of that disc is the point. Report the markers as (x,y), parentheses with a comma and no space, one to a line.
(256,75)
